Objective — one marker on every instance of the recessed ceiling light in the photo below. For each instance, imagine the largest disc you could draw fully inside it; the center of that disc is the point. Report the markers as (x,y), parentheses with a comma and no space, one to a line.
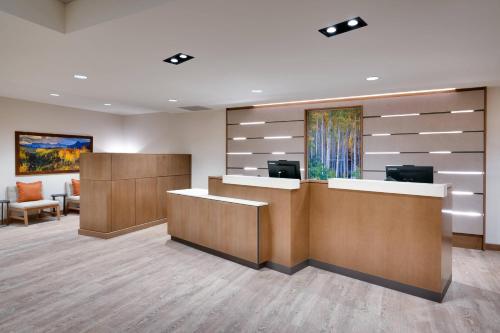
(80,77)
(372,78)
(352,23)
(55,95)
(331,30)
(173,100)
(339,28)
(107,104)
(178,59)
(257,91)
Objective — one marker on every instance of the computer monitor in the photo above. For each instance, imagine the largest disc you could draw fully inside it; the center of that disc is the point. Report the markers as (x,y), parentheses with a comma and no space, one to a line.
(284,169)
(409,173)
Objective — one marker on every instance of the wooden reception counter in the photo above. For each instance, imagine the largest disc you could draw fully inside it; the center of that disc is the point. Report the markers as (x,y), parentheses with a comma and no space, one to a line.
(397,235)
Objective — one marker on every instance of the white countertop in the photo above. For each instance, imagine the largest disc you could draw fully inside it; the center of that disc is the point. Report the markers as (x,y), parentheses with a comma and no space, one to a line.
(279,183)
(202,193)
(421,189)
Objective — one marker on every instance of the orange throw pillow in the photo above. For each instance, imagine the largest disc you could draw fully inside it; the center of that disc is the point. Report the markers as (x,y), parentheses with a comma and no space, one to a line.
(29,191)
(76,186)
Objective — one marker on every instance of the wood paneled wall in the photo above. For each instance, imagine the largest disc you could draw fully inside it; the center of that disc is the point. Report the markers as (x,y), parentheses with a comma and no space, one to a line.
(126,192)
(453,155)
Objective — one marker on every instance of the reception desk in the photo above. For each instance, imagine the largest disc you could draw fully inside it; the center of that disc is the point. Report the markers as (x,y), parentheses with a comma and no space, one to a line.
(396,235)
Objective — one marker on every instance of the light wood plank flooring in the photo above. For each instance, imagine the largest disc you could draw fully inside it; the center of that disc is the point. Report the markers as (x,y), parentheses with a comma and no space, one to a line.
(52,280)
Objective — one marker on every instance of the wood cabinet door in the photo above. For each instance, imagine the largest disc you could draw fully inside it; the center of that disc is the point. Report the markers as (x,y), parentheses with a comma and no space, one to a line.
(167,184)
(174,165)
(95,205)
(123,204)
(95,166)
(146,200)
(130,166)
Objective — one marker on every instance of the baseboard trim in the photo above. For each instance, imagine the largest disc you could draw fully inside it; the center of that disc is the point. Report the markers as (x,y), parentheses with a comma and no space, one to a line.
(112,234)
(285,269)
(467,241)
(492,247)
(401,287)
(219,254)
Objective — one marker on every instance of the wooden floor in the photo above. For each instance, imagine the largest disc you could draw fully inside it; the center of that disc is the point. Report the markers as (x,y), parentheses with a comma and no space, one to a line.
(52,280)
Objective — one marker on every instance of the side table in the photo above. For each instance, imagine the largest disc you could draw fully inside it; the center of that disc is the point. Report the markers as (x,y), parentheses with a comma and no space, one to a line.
(4,202)
(61,195)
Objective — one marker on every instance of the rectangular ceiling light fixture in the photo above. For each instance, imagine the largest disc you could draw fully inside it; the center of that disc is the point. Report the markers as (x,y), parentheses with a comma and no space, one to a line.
(340,28)
(178,59)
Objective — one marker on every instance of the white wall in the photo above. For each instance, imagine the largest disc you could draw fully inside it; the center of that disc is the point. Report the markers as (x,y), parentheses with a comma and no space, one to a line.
(201,134)
(493,167)
(17,115)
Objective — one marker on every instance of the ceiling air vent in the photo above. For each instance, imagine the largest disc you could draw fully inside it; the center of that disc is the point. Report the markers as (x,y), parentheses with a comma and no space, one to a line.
(195,108)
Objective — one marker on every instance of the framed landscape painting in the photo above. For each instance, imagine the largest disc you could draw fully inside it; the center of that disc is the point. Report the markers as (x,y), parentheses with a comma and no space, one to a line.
(334,139)
(42,153)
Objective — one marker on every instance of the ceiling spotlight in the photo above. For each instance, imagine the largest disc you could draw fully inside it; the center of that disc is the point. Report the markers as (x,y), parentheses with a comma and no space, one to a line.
(352,23)
(55,95)
(172,100)
(256,91)
(345,26)
(331,30)
(80,77)
(372,78)
(107,104)
(178,59)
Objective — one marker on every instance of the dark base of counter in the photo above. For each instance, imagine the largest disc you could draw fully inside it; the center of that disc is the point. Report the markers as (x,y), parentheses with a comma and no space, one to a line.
(285,269)
(404,288)
(219,254)
(401,287)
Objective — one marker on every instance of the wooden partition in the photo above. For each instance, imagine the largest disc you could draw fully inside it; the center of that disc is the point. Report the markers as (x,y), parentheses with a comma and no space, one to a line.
(121,193)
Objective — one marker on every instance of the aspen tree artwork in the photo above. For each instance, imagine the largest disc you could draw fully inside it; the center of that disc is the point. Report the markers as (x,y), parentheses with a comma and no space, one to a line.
(334,138)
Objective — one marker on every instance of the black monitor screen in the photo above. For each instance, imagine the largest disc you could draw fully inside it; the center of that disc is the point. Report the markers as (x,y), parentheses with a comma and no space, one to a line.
(284,169)
(410,173)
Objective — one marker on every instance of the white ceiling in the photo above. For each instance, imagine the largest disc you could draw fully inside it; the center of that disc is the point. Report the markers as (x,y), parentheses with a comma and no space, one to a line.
(242,45)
